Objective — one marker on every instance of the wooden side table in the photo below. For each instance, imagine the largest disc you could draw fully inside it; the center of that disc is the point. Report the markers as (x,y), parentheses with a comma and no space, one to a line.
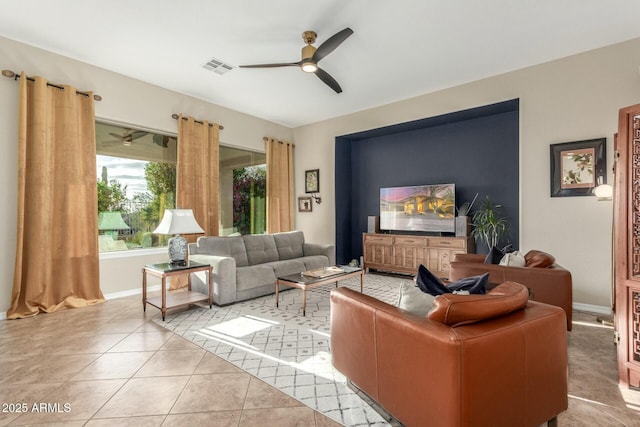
(177,299)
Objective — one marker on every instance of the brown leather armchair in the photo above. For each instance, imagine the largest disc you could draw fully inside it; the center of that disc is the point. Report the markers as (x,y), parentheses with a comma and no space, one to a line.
(464,365)
(550,285)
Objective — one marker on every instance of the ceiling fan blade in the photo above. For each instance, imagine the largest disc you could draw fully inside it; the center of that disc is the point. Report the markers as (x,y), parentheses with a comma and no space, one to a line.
(137,134)
(328,80)
(331,43)
(281,64)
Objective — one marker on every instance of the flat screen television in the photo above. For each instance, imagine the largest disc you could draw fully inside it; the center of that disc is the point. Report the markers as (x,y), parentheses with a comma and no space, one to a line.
(425,208)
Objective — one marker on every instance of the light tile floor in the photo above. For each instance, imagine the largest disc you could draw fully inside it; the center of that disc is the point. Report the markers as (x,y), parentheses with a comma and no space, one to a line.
(111,365)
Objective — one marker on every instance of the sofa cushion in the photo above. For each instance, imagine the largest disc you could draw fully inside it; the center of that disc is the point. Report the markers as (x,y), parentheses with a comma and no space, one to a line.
(223,246)
(286,267)
(538,259)
(254,276)
(261,248)
(456,310)
(289,244)
(413,300)
(312,262)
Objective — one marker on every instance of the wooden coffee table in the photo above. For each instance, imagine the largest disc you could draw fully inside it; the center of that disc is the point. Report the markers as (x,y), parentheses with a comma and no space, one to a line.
(301,281)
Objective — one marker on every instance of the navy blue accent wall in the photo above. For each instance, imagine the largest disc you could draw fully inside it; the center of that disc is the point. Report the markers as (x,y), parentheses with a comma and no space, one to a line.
(475,149)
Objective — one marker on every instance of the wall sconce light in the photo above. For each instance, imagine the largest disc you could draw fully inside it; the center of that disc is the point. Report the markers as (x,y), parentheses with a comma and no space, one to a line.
(603,192)
(317,199)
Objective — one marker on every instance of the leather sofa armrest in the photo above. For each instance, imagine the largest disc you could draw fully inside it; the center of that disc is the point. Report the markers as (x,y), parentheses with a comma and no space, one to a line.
(310,249)
(469,258)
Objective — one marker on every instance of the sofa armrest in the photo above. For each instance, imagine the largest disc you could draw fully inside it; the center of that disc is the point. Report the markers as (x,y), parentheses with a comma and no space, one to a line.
(224,278)
(477,258)
(318,249)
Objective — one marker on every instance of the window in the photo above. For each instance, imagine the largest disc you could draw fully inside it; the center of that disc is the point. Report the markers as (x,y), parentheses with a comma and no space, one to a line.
(243,184)
(136,181)
(136,172)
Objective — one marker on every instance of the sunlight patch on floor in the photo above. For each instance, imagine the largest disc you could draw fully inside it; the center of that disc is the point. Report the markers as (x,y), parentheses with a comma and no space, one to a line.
(242,326)
(593,325)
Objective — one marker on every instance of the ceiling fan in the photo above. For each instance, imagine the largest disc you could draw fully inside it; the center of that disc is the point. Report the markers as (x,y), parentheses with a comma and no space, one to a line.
(311,56)
(163,140)
(127,137)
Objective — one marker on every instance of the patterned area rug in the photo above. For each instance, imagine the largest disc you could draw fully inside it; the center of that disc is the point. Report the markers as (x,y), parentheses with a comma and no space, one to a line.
(285,349)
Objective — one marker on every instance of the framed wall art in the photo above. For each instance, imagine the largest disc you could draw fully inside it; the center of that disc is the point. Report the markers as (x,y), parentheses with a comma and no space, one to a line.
(304,204)
(578,167)
(312,181)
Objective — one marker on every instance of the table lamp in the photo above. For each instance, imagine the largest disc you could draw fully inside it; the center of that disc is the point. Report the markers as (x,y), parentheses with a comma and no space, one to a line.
(178,221)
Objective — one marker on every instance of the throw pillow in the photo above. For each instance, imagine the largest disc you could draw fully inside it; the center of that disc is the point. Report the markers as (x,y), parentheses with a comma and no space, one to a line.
(473,284)
(494,256)
(507,249)
(539,259)
(428,283)
(513,259)
(413,300)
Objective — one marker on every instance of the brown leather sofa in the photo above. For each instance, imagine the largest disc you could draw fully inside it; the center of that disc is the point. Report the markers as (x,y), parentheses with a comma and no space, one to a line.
(463,365)
(550,285)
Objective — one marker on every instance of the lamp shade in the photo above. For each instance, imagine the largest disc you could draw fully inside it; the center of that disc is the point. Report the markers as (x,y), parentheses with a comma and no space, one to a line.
(111,221)
(178,221)
(603,192)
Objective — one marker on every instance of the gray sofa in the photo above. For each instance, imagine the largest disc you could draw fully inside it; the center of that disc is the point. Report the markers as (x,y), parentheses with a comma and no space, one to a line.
(246,267)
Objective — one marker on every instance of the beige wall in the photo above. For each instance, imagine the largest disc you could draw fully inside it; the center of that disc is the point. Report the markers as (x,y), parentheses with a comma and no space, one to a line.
(566,100)
(125,100)
(571,99)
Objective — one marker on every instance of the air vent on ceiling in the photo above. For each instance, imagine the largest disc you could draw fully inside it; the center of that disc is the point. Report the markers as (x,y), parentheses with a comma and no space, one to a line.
(217,66)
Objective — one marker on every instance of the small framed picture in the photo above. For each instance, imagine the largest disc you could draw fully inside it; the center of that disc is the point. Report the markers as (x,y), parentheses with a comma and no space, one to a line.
(312,181)
(304,204)
(578,167)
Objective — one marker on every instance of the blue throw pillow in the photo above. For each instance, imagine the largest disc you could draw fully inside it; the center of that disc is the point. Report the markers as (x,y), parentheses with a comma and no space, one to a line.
(494,256)
(473,284)
(430,284)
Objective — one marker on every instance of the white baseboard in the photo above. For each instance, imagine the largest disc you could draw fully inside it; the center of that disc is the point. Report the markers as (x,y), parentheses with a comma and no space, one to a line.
(3,315)
(128,293)
(589,308)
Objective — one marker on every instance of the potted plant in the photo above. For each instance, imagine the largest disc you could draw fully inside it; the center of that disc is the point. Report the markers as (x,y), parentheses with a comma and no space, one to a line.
(489,226)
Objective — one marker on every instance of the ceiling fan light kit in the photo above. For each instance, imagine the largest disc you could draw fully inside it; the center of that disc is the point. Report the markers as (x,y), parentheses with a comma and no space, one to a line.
(311,56)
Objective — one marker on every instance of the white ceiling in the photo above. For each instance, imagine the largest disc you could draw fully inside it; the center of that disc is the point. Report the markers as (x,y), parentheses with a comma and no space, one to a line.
(399,49)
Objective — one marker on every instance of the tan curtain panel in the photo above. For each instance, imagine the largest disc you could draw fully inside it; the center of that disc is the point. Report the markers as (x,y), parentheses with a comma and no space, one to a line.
(198,172)
(57,245)
(280,200)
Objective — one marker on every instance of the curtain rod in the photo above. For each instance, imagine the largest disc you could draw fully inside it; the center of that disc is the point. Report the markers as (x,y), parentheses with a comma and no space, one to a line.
(266,138)
(9,73)
(176,117)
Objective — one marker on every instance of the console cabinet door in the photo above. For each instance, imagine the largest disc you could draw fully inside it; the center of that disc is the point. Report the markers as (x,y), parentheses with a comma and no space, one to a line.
(377,250)
(409,252)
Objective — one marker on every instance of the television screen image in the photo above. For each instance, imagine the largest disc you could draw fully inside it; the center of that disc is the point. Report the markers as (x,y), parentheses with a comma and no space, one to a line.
(429,208)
